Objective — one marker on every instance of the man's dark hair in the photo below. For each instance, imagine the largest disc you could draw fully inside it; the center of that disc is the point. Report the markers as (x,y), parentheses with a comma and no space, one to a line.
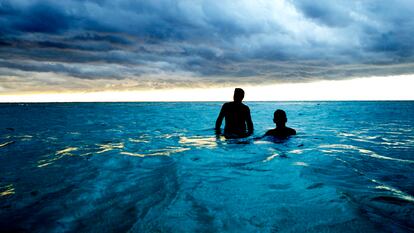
(279,116)
(238,94)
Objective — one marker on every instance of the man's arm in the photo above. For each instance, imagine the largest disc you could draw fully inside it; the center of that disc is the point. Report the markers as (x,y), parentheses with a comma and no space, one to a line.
(249,122)
(220,117)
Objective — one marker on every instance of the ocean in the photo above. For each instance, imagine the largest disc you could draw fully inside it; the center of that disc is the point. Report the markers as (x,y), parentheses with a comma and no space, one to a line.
(159,167)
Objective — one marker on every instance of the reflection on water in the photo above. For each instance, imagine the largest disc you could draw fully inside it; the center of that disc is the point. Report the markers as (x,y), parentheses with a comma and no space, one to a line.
(199,142)
(301,164)
(361,151)
(128,167)
(139,140)
(396,192)
(270,157)
(6,144)
(109,147)
(7,190)
(160,152)
(66,151)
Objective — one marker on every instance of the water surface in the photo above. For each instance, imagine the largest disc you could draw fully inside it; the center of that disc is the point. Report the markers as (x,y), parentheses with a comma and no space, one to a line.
(159,167)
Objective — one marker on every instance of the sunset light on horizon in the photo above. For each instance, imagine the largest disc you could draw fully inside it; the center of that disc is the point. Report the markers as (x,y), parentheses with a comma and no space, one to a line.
(372,88)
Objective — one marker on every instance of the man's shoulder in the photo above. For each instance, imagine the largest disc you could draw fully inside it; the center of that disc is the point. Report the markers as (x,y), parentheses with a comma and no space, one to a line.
(226,104)
(281,132)
(234,105)
(291,131)
(245,106)
(270,132)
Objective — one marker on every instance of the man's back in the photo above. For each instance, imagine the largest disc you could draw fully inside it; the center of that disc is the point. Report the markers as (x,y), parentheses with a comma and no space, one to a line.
(237,116)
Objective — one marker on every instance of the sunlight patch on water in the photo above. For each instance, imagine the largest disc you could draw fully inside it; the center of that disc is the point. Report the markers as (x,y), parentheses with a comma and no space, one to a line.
(331,151)
(7,190)
(132,154)
(66,151)
(160,152)
(346,134)
(199,142)
(339,146)
(270,158)
(364,140)
(362,151)
(6,144)
(138,140)
(388,143)
(168,151)
(167,136)
(303,164)
(399,193)
(374,155)
(25,137)
(58,155)
(297,151)
(110,146)
(378,140)
(46,162)
(263,142)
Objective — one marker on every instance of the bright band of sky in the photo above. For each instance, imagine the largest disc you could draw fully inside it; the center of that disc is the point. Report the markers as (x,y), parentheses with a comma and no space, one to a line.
(372,88)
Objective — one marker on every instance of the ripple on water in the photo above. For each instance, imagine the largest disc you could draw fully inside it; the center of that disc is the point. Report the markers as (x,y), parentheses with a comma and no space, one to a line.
(6,144)
(199,142)
(66,151)
(336,148)
(396,192)
(303,164)
(56,156)
(158,152)
(270,158)
(110,147)
(7,190)
(140,140)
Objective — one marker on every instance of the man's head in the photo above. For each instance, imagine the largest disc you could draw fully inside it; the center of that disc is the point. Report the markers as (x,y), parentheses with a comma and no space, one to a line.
(279,117)
(238,95)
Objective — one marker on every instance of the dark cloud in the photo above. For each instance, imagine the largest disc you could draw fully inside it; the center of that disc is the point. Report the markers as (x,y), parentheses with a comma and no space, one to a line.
(221,41)
(335,14)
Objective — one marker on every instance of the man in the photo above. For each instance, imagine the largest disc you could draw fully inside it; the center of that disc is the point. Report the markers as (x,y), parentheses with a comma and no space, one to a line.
(237,116)
(281,131)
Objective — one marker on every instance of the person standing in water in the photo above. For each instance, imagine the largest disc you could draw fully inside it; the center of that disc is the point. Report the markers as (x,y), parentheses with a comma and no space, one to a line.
(281,131)
(237,116)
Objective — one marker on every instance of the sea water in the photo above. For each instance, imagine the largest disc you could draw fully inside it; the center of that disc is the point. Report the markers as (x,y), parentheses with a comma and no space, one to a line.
(159,167)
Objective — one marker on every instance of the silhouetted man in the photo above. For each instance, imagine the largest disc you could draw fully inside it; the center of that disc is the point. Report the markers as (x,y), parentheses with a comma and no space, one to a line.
(237,116)
(281,131)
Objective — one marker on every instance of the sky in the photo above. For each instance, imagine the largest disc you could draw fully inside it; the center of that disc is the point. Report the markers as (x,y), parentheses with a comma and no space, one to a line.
(124,50)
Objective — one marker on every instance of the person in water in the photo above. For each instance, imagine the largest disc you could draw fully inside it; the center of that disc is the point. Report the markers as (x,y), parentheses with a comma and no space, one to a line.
(237,116)
(281,131)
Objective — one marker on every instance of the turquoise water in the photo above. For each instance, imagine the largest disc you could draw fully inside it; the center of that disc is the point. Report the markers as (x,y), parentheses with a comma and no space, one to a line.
(159,167)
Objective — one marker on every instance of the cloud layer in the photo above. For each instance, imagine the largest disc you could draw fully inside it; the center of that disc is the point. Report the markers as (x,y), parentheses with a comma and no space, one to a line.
(165,43)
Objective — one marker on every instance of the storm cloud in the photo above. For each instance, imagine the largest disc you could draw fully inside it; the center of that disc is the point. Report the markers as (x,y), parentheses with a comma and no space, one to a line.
(204,42)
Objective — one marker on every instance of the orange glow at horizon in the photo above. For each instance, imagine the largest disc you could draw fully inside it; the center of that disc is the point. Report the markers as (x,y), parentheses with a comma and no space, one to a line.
(373,88)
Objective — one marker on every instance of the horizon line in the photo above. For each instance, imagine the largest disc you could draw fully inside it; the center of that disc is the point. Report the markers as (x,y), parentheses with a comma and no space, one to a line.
(209,101)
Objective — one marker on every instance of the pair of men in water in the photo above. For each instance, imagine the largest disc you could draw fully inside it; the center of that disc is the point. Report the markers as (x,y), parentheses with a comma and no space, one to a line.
(237,116)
